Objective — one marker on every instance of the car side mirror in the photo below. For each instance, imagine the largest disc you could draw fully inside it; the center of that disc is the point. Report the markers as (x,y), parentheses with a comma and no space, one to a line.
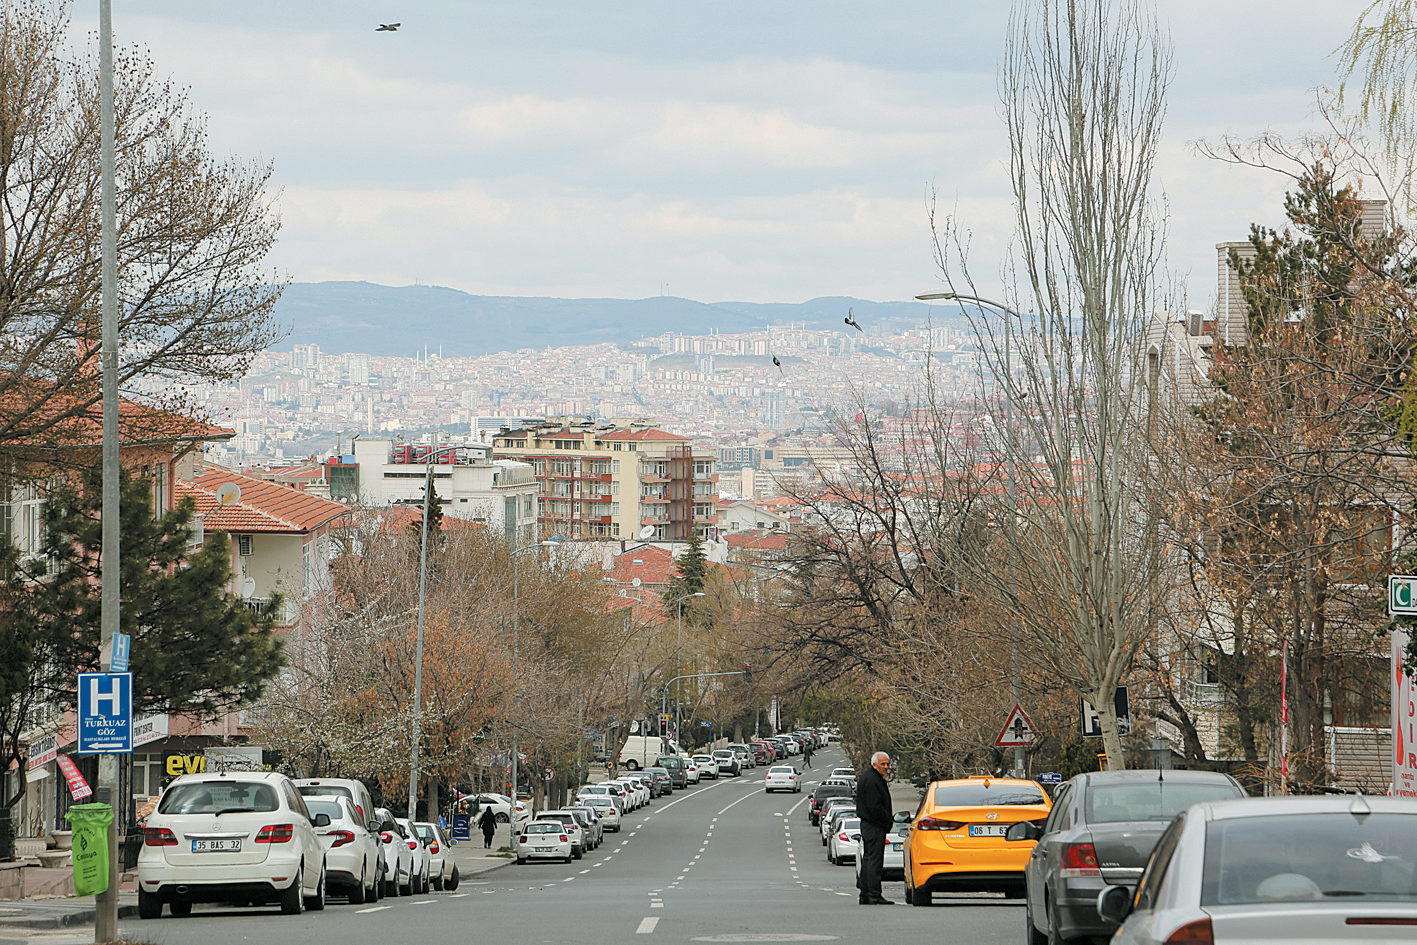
(321,820)
(1023,830)
(1115,903)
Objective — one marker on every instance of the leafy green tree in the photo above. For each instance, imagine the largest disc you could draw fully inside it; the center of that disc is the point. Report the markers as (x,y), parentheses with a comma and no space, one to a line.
(197,650)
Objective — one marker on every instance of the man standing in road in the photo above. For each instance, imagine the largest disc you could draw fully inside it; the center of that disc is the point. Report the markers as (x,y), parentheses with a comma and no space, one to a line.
(807,753)
(873,806)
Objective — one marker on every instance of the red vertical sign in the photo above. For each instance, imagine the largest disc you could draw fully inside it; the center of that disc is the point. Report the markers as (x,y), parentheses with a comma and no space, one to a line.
(77,785)
(1404,719)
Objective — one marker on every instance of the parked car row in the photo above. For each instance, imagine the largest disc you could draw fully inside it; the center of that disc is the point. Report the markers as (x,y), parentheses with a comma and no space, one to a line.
(257,838)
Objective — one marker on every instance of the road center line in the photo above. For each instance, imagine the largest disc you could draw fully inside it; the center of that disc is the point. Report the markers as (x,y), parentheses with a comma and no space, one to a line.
(647,925)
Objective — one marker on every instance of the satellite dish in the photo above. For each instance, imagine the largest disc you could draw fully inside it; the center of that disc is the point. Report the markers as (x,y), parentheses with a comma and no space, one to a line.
(646,533)
(228,493)
(248,587)
(636,582)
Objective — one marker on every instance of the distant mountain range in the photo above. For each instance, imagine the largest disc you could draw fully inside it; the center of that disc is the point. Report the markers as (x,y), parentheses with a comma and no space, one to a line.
(344,317)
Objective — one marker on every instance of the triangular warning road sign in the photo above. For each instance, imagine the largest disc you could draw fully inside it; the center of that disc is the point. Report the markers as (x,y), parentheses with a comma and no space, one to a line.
(1018,730)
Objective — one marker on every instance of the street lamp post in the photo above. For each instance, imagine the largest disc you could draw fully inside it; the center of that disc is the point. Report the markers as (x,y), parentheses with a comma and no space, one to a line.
(516,635)
(943,295)
(679,654)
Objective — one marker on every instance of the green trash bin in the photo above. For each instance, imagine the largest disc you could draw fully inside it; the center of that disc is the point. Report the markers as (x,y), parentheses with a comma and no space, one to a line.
(90,823)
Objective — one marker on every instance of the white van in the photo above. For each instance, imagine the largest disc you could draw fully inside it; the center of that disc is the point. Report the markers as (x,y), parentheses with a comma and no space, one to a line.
(640,751)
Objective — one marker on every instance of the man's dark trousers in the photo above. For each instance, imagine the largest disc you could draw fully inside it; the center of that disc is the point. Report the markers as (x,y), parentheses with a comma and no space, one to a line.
(873,858)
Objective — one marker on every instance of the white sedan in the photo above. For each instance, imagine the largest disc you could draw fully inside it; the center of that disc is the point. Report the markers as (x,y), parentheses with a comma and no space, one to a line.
(783,778)
(708,767)
(604,808)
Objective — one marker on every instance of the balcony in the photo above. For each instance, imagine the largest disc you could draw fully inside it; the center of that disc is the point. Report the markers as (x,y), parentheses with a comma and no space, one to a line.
(1201,694)
(288,615)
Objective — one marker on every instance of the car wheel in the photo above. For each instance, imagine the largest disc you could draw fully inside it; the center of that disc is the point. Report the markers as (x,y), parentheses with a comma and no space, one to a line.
(576,855)
(832,860)
(1031,935)
(453,880)
(180,907)
(632,765)
(1055,935)
(356,892)
(292,900)
(521,861)
(438,882)
(501,818)
(317,902)
(149,905)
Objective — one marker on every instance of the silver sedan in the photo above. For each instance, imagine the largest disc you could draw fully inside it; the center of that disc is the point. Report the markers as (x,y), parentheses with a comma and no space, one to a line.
(1278,869)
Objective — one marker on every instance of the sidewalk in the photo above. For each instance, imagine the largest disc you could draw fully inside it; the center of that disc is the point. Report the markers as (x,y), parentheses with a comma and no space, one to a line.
(20,917)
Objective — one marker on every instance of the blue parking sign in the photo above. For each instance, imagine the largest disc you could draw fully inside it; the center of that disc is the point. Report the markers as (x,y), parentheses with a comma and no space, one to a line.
(105,717)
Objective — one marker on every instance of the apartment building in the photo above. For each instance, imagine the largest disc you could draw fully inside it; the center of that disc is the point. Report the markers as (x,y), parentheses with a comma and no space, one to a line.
(617,478)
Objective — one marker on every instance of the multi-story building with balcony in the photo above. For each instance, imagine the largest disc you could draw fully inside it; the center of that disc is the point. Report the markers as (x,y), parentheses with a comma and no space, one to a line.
(615,478)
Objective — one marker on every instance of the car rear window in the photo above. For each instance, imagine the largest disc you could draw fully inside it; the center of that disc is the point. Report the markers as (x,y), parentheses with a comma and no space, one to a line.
(543,827)
(994,793)
(332,808)
(220,796)
(1337,856)
(1150,800)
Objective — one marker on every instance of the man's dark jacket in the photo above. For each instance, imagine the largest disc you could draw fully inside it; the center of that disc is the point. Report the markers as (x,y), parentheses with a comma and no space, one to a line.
(873,799)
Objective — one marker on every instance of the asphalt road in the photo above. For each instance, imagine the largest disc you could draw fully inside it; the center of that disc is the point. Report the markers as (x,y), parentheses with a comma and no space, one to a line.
(720,862)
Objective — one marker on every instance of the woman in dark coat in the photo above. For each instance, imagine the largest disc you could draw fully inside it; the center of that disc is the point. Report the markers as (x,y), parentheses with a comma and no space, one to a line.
(488,823)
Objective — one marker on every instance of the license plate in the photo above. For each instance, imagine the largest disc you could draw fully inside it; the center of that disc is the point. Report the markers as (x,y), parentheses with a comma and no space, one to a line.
(897,847)
(987,830)
(220,845)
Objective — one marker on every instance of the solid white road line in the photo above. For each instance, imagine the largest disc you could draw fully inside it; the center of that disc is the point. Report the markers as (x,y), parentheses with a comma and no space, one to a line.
(374,909)
(647,925)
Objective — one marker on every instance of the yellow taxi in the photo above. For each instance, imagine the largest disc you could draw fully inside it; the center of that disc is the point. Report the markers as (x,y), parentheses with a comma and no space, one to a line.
(956,841)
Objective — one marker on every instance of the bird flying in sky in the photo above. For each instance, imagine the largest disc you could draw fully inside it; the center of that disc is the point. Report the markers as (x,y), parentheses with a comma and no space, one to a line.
(851,320)
(388,27)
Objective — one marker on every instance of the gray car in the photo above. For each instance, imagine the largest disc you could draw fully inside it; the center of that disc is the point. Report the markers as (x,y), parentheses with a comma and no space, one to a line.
(1277,869)
(1102,828)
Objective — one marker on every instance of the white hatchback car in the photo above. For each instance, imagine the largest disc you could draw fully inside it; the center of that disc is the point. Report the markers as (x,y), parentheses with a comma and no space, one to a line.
(843,843)
(707,765)
(419,879)
(783,778)
(398,858)
(442,871)
(243,837)
(353,861)
(542,840)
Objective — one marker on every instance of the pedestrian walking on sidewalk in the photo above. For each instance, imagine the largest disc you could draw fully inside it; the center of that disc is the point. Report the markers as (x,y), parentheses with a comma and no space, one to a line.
(873,806)
(488,823)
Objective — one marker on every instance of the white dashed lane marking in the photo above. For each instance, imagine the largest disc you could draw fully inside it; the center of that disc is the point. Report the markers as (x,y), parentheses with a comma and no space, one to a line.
(647,925)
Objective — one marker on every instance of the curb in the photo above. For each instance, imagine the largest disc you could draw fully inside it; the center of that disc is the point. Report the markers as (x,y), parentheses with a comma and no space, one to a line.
(62,920)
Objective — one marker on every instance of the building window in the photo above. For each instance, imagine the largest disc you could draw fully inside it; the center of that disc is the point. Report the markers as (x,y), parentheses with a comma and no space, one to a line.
(616,447)
(632,447)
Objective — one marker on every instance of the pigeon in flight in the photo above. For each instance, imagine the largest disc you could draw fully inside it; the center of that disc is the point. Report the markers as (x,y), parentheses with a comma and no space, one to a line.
(776,362)
(851,320)
(388,27)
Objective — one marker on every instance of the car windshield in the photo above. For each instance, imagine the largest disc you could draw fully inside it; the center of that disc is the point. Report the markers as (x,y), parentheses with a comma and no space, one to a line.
(1310,856)
(218,797)
(1150,800)
(987,794)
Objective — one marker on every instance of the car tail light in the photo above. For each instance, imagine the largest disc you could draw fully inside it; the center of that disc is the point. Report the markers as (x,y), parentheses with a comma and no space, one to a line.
(563,838)
(843,837)
(1079,859)
(341,837)
(1193,933)
(159,837)
(934,823)
(386,837)
(276,833)
(413,844)
(521,839)
(433,848)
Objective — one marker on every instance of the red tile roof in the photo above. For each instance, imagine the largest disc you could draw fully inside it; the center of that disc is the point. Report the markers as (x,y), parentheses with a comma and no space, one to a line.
(651,564)
(262,506)
(653,433)
(758,541)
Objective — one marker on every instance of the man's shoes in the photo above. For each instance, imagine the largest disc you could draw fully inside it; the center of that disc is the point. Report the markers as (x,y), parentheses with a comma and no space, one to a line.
(880,902)
(864,902)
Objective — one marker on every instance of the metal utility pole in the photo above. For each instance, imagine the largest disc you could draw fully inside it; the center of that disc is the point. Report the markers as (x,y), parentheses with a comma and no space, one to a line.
(516,634)
(679,655)
(418,652)
(106,902)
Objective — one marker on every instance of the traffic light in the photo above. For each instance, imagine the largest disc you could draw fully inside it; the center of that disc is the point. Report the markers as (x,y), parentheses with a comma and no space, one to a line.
(747,672)
(664,726)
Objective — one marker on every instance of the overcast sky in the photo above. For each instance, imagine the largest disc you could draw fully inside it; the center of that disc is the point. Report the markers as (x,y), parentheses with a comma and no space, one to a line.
(751,150)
